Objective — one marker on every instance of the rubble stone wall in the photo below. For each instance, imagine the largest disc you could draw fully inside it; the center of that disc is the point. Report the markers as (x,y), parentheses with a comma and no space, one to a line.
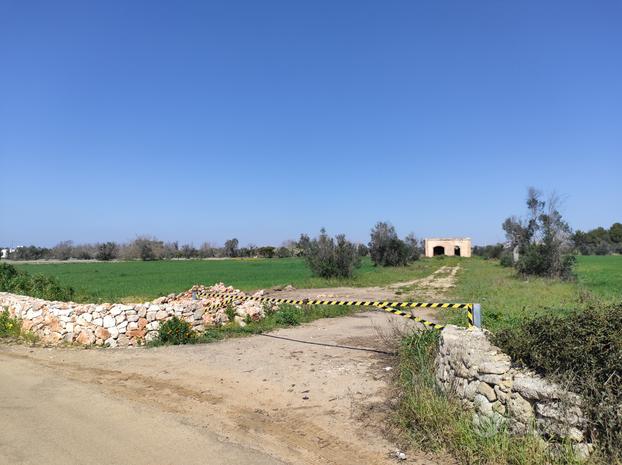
(484,378)
(123,324)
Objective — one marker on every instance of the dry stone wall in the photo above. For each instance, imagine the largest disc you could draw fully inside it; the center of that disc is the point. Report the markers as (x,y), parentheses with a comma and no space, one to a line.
(124,324)
(484,379)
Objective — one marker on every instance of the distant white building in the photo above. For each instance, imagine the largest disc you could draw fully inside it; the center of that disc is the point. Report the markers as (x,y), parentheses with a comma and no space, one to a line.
(4,253)
(451,246)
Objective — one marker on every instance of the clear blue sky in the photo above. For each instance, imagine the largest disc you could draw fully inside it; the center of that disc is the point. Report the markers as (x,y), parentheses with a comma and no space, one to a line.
(202,121)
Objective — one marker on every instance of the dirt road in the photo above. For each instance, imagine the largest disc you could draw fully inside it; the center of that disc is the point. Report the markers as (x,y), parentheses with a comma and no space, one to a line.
(424,289)
(314,394)
(258,400)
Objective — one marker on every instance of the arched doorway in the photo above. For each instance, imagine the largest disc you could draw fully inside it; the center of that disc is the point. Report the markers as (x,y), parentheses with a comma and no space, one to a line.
(439,250)
(457,251)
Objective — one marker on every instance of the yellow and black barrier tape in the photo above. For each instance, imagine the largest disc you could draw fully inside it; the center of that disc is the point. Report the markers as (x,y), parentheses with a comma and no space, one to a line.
(390,307)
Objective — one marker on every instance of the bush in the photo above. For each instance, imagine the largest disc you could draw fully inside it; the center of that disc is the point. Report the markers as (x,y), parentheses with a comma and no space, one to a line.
(289,316)
(176,331)
(38,285)
(386,249)
(583,349)
(9,327)
(330,258)
(506,260)
(489,251)
(543,260)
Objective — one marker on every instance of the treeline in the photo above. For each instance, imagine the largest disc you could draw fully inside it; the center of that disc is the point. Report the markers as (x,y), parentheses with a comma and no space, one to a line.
(148,248)
(598,241)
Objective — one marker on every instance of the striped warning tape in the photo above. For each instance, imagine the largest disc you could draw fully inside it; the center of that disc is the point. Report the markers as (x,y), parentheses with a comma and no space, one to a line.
(418,319)
(390,307)
(358,303)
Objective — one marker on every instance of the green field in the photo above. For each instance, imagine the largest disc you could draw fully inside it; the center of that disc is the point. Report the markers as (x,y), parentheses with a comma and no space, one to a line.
(506,298)
(601,275)
(136,281)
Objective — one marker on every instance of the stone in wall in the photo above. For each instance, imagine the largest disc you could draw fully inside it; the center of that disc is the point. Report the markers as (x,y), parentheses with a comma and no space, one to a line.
(484,379)
(122,325)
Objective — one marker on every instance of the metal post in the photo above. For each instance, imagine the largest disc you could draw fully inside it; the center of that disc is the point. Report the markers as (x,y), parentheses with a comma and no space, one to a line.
(477,315)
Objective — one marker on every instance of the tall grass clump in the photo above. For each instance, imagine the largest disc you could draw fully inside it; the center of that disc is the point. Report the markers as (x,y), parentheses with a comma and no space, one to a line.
(430,419)
(582,349)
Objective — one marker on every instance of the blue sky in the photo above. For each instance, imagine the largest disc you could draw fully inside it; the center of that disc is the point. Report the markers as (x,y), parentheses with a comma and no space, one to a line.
(202,121)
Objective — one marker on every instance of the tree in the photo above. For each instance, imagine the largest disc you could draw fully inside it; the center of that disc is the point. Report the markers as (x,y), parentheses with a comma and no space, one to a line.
(231,248)
(387,249)
(328,257)
(266,251)
(207,250)
(542,238)
(63,250)
(188,251)
(414,247)
(615,233)
(283,252)
(107,251)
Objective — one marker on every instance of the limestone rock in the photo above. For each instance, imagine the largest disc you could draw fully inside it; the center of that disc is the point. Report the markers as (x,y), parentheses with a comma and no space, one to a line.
(520,409)
(85,337)
(102,333)
(534,387)
(487,391)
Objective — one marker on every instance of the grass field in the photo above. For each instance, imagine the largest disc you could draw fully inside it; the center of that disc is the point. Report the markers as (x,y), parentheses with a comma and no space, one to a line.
(506,298)
(137,281)
(601,275)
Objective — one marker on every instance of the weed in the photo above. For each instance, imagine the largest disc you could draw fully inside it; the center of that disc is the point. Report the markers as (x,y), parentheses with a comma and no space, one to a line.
(289,316)
(9,327)
(175,331)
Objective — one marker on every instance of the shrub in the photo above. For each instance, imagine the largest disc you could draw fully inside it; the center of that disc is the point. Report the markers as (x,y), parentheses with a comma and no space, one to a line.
(387,249)
(544,260)
(330,258)
(289,316)
(506,260)
(9,327)
(489,251)
(230,312)
(176,331)
(38,285)
(583,349)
